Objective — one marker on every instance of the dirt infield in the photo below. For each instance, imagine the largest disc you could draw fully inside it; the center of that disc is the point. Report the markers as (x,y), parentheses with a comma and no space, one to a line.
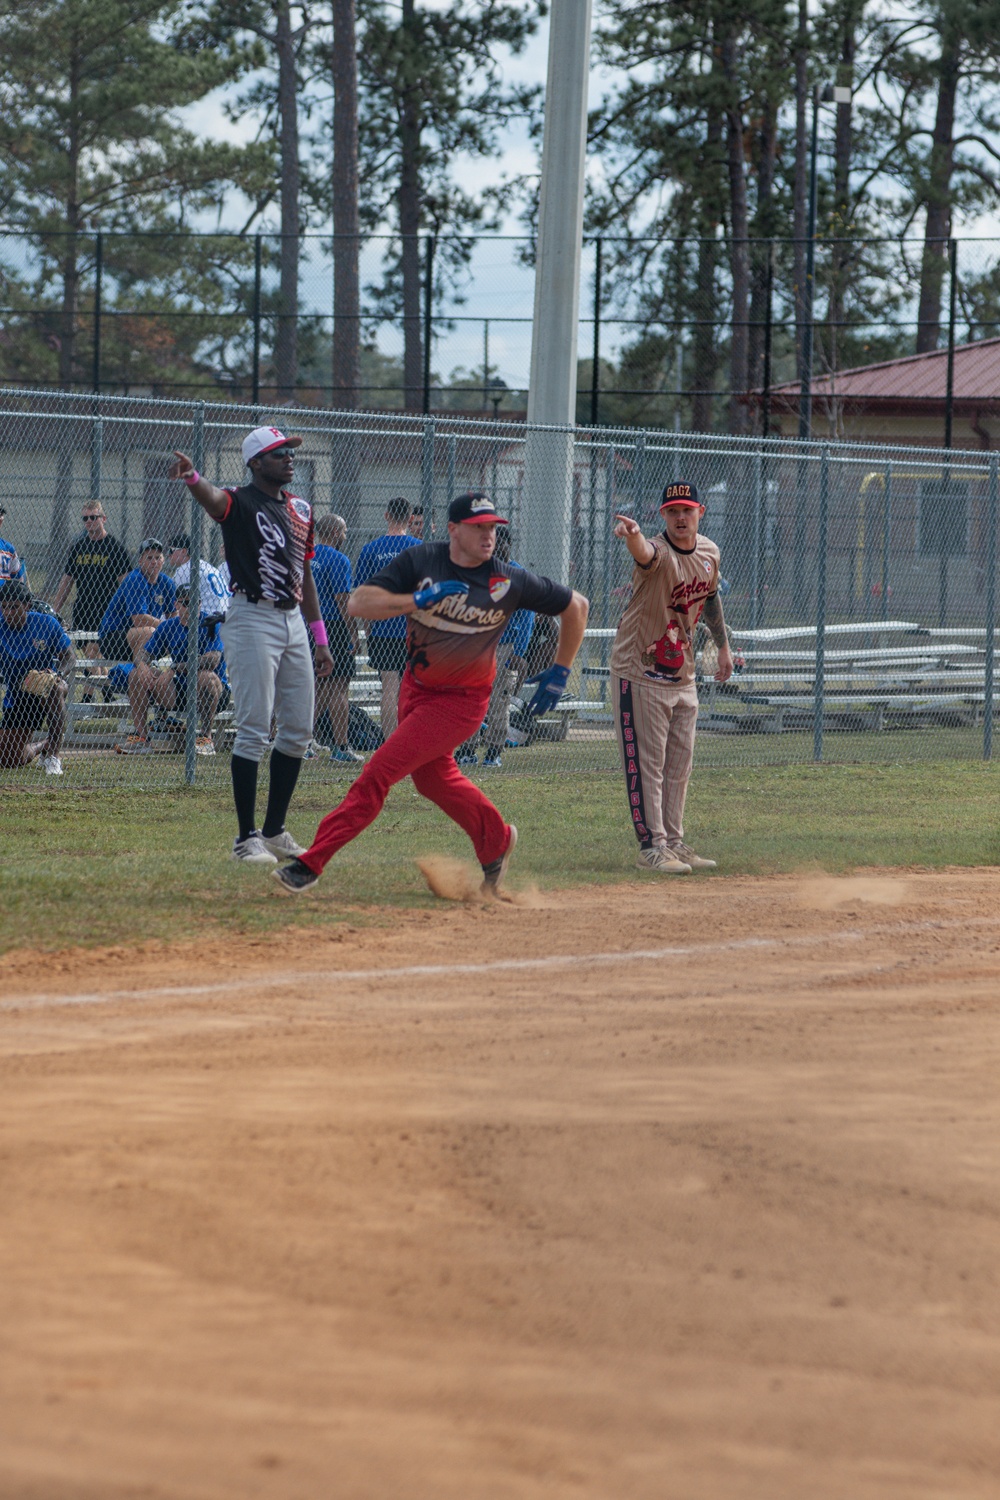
(679,1191)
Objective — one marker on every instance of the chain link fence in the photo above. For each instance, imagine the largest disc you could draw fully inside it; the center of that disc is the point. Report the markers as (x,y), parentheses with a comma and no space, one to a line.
(666,340)
(860,582)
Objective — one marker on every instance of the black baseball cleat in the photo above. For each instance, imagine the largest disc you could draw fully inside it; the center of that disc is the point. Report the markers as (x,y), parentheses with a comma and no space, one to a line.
(295,877)
(494,872)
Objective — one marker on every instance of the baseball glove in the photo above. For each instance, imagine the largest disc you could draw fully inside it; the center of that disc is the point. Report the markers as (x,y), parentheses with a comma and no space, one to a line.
(39,684)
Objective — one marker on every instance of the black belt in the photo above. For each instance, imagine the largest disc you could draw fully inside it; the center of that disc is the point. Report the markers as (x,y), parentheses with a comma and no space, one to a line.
(276,603)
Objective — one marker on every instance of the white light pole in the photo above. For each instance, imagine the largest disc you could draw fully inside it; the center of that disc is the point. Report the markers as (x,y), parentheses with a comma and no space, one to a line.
(548,459)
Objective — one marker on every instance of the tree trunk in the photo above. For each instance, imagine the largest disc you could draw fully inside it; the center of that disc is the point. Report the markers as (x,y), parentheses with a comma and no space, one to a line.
(938,226)
(760,249)
(286,337)
(739,247)
(841,228)
(704,356)
(346,244)
(800,206)
(409,223)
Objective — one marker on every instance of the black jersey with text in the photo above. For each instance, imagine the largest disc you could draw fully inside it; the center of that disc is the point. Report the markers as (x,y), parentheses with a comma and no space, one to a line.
(453,643)
(96,567)
(267,543)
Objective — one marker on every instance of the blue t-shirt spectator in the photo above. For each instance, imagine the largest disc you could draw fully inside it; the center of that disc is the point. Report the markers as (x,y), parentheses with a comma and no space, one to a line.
(36,647)
(373,557)
(170,639)
(331,571)
(11,566)
(519,628)
(135,595)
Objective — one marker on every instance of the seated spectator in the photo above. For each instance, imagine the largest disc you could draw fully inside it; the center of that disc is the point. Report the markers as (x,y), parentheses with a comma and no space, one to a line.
(331,571)
(215,593)
(35,658)
(160,677)
(141,601)
(11,566)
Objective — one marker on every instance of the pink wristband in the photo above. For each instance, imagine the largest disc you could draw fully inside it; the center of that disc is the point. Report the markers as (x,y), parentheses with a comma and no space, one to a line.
(318,632)
(192,478)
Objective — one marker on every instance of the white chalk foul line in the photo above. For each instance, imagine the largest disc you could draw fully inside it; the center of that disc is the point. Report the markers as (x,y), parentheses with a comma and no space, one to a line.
(492,966)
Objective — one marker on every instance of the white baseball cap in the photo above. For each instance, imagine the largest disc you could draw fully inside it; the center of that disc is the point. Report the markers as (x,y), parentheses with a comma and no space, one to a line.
(263,439)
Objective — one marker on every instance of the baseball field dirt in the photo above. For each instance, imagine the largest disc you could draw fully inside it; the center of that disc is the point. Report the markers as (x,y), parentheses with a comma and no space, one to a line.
(676,1191)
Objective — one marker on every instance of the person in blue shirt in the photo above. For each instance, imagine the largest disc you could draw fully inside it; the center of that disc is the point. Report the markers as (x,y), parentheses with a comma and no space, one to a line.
(331,570)
(512,663)
(31,642)
(139,603)
(11,566)
(160,676)
(387,638)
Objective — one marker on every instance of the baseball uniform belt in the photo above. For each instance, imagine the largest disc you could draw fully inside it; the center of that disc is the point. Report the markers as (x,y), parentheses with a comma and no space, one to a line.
(271,603)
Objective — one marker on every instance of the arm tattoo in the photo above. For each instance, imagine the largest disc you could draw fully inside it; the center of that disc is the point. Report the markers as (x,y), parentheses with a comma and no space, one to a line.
(714,621)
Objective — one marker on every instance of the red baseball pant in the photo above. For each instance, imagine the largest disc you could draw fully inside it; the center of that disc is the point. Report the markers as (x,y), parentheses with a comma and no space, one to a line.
(432,722)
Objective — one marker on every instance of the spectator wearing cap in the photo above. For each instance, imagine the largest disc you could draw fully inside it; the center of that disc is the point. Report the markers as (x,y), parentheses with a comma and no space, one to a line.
(160,676)
(11,565)
(387,638)
(33,643)
(267,533)
(139,603)
(215,595)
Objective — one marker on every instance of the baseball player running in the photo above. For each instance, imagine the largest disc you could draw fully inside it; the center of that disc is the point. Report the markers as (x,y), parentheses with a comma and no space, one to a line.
(267,533)
(675,580)
(458,600)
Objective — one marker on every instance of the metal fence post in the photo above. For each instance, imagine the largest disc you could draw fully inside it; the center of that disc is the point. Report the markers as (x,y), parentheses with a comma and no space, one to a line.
(609,503)
(949,401)
(427,468)
(450,481)
(194,601)
(818,687)
(255,389)
(595,374)
(758,499)
(639,478)
(428,320)
(991,606)
(96,457)
(98,289)
(886,539)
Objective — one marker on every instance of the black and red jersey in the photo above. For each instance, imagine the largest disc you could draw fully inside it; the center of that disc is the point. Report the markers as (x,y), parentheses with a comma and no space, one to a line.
(453,642)
(267,543)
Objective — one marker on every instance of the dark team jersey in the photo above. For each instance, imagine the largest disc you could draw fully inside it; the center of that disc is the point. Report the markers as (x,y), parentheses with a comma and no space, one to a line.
(453,643)
(267,544)
(95,567)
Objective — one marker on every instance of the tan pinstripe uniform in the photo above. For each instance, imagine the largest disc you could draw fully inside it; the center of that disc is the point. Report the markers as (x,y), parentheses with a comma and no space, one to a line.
(653,684)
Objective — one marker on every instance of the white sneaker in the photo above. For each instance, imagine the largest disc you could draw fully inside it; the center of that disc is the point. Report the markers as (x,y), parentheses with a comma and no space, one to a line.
(661,861)
(253,851)
(686,854)
(282,845)
(52,765)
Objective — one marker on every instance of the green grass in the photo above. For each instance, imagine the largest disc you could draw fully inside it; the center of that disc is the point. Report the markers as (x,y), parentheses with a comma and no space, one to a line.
(92,868)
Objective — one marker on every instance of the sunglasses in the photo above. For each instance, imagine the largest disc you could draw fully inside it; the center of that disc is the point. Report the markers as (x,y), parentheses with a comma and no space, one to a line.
(96,516)
(279,453)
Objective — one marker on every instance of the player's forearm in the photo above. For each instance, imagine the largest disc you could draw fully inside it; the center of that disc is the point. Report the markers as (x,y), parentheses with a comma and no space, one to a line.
(370,603)
(572,624)
(310,598)
(640,547)
(714,622)
(66,663)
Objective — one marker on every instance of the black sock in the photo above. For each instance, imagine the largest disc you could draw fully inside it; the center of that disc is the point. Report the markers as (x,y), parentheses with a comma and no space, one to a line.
(284,774)
(244,773)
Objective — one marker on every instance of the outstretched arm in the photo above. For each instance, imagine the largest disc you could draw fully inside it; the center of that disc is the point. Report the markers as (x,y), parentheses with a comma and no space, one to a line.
(640,547)
(208,495)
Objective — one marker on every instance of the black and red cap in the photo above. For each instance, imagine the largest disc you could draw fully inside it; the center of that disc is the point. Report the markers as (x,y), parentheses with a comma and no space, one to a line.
(679,492)
(474,509)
